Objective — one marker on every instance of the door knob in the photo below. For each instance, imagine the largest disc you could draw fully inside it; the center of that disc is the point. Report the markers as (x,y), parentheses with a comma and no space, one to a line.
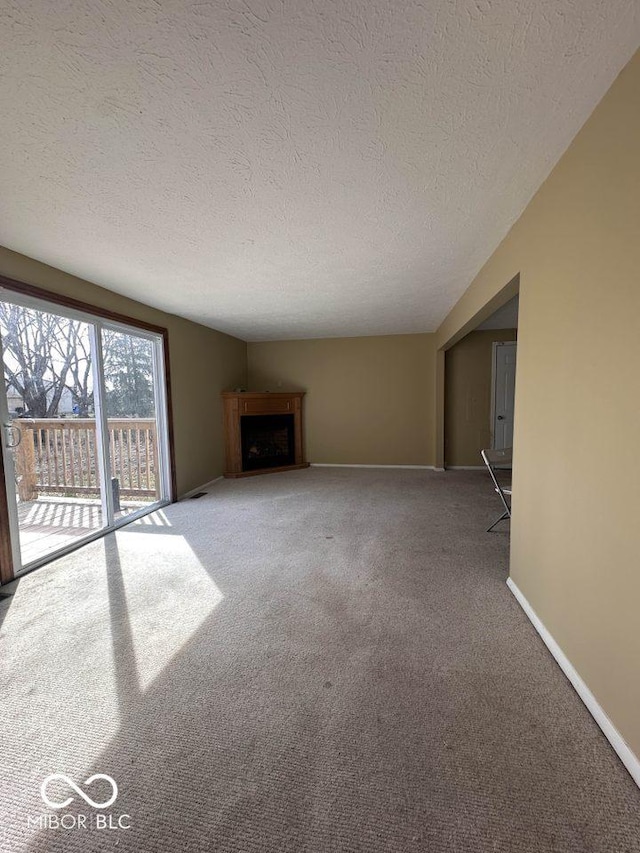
(500,417)
(11,430)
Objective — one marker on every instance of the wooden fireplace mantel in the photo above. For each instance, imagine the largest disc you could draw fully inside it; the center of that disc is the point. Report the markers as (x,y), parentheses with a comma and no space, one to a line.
(239,404)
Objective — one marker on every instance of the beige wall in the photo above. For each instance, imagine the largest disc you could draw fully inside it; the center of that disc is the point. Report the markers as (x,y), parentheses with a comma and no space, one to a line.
(575,542)
(203,362)
(369,400)
(468,372)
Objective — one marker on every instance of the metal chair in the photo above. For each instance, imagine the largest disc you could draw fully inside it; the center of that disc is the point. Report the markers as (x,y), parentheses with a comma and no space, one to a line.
(497,460)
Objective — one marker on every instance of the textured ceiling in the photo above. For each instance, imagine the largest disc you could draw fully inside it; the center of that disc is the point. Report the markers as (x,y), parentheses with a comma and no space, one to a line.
(282,169)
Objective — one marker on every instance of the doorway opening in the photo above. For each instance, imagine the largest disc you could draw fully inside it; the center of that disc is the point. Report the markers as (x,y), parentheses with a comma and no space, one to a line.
(480,389)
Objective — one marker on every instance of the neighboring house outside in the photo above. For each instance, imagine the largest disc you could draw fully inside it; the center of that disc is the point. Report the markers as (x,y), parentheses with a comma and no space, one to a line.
(16,405)
(14,401)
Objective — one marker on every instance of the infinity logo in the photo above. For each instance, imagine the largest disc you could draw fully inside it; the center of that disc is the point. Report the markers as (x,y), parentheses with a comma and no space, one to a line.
(73,786)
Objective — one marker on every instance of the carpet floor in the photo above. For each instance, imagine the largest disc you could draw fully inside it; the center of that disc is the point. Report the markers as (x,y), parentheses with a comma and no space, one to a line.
(322,660)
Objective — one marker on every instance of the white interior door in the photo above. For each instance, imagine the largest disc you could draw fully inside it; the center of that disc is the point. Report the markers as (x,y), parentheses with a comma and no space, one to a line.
(504,386)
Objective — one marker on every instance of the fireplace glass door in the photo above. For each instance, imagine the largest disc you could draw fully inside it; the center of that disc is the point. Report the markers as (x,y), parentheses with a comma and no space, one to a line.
(267,441)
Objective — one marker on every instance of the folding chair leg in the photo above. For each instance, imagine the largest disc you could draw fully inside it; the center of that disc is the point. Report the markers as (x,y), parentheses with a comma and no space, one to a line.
(504,516)
(497,456)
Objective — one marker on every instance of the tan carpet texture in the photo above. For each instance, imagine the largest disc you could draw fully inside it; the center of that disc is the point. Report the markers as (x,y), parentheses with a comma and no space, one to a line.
(321,660)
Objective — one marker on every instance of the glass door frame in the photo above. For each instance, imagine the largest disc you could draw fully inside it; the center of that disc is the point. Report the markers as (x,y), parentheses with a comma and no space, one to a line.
(162,422)
(29,296)
(9,473)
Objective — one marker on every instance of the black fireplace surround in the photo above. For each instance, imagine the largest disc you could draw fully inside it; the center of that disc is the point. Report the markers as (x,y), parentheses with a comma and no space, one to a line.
(267,441)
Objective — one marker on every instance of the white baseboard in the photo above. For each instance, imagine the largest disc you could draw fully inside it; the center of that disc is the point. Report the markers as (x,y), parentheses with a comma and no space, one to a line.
(466,468)
(624,752)
(336,465)
(199,489)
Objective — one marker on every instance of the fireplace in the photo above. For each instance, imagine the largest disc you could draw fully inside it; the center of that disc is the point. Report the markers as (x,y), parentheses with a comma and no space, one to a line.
(267,441)
(263,432)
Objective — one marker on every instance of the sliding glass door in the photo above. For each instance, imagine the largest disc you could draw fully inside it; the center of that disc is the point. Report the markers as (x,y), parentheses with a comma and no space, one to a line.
(84,435)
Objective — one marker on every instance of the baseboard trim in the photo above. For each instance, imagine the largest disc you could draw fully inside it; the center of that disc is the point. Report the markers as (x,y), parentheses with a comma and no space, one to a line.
(466,468)
(201,488)
(338,465)
(624,752)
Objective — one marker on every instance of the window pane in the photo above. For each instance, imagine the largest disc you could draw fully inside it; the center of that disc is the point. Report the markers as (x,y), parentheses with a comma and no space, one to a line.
(131,408)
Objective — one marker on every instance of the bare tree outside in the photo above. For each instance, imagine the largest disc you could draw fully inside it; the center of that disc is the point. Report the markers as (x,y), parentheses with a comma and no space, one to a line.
(42,357)
(46,354)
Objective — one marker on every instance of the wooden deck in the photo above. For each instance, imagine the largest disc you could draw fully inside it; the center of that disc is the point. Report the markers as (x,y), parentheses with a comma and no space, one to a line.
(48,524)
